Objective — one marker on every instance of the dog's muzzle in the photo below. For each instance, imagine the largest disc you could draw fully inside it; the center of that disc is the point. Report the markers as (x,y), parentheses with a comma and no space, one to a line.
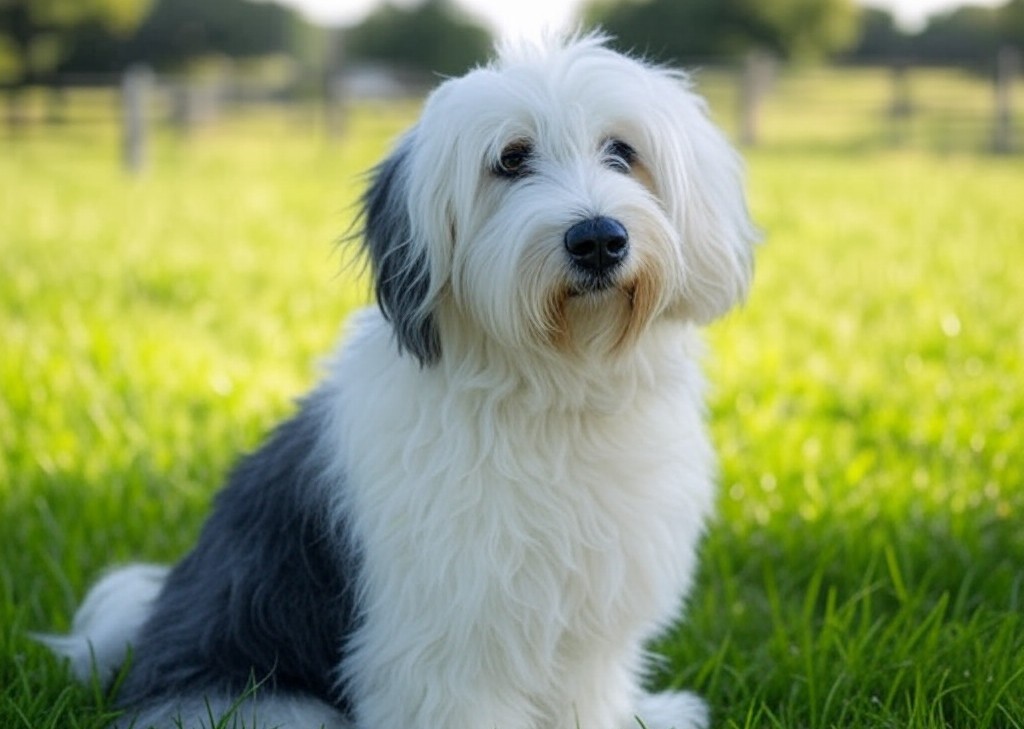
(596,248)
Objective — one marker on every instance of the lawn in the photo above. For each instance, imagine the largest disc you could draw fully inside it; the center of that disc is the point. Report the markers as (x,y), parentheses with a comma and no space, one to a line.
(867,565)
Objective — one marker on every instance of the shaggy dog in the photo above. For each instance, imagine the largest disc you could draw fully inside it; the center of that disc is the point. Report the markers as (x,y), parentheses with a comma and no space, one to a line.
(493,500)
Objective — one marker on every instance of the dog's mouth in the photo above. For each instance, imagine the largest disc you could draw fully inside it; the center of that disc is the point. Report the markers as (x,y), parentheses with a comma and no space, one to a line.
(591,287)
(613,311)
(580,284)
(607,291)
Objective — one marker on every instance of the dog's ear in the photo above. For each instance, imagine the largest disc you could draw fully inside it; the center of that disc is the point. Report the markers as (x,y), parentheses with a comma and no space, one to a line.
(706,197)
(399,261)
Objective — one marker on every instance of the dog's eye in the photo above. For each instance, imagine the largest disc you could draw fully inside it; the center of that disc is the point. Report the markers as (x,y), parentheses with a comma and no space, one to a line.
(619,155)
(515,160)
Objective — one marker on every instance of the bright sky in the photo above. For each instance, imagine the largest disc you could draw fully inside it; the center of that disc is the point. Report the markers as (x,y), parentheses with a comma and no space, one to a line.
(532,17)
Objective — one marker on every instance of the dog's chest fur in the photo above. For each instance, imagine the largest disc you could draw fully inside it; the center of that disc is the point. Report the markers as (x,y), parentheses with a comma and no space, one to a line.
(482,509)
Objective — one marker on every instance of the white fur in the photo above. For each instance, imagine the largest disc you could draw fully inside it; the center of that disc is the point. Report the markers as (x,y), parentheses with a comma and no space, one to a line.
(521,547)
(107,621)
(528,507)
(531,517)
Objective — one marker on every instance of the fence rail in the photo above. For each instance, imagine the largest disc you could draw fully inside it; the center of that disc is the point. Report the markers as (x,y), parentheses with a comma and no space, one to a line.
(937,109)
(759,102)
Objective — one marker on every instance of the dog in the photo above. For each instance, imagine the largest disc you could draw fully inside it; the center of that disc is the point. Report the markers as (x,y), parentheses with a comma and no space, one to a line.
(493,500)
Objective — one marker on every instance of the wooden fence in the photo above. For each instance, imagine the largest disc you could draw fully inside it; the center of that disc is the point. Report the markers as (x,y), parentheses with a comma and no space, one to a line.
(760,103)
(938,109)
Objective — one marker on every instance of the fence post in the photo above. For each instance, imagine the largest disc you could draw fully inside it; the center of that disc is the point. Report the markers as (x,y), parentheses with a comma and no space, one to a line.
(1007,67)
(135,88)
(195,102)
(901,105)
(758,69)
(334,86)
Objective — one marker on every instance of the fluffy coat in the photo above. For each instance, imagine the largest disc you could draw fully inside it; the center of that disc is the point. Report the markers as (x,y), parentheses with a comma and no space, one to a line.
(494,499)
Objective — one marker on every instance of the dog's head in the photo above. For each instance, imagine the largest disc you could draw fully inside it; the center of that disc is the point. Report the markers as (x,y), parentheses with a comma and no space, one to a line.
(565,196)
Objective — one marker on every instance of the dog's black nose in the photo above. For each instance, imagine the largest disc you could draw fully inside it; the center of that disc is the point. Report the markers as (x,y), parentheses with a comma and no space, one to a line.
(597,245)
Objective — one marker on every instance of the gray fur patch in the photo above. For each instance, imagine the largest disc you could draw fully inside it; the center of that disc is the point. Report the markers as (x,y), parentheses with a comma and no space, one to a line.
(401,273)
(267,595)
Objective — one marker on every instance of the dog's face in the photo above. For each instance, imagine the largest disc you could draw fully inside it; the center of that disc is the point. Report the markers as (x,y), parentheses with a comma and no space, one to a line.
(564,197)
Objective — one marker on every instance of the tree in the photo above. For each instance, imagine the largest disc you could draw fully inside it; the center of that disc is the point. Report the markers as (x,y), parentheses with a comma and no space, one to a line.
(668,30)
(178,31)
(680,29)
(968,35)
(36,29)
(1011,23)
(36,32)
(879,39)
(801,29)
(432,36)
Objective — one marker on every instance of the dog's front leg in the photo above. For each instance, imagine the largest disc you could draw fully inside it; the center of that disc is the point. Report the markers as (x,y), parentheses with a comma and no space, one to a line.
(429,700)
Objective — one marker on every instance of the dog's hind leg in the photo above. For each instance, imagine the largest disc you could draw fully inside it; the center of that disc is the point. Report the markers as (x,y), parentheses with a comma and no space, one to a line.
(108,620)
(264,711)
(672,710)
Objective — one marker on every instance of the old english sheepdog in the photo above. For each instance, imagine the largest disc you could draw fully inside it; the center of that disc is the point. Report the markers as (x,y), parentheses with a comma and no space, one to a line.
(493,500)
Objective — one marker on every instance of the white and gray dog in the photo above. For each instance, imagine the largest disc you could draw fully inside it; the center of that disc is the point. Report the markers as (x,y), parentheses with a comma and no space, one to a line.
(494,498)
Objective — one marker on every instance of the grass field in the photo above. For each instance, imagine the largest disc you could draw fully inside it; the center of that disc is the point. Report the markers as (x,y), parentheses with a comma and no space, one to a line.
(867,566)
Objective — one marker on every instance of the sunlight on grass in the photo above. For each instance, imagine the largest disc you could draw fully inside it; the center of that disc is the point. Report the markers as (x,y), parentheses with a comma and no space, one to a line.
(869,554)
(866,567)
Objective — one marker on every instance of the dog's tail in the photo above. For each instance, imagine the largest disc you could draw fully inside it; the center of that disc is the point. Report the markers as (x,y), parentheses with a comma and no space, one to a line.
(105,625)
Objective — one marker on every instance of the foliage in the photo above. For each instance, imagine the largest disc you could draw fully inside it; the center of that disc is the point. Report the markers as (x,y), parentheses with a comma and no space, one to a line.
(803,29)
(179,31)
(432,36)
(694,29)
(879,39)
(866,567)
(37,29)
(968,34)
(681,29)
(1011,23)
(107,35)
(666,30)
(118,15)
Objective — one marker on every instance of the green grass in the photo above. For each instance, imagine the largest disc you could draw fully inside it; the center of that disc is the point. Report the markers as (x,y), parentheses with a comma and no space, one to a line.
(867,566)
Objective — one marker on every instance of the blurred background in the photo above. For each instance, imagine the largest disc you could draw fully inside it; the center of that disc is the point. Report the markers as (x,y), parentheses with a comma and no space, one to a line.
(932,73)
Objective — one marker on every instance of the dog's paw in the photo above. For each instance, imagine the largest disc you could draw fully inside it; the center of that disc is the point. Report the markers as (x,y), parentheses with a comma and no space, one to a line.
(672,710)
